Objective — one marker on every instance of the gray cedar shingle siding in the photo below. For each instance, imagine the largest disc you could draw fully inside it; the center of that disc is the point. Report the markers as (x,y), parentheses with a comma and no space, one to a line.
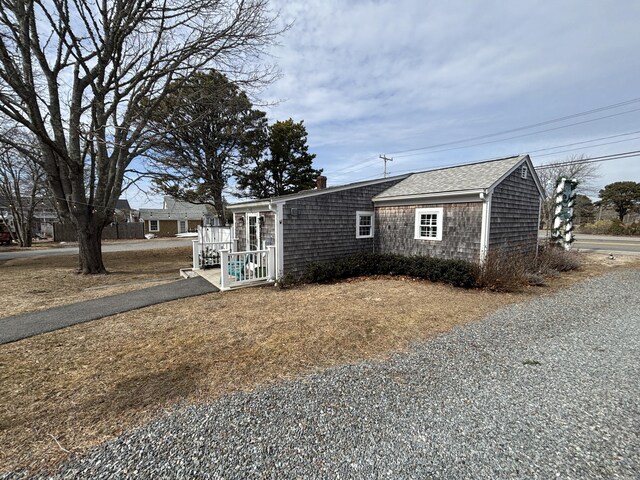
(239,231)
(515,205)
(268,229)
(322,228)
(461,227)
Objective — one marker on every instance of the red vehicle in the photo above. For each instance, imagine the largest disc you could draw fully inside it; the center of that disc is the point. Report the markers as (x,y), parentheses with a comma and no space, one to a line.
(5,236)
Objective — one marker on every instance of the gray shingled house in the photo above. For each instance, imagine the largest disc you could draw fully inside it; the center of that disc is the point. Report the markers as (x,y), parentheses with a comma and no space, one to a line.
(460,212)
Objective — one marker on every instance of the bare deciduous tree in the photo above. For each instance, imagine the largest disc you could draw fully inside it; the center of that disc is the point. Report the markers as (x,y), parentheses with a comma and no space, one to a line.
(573,167)
(75,73)
(22,183)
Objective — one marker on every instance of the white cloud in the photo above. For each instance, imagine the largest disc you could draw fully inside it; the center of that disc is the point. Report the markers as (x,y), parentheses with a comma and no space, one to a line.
(373,77)
(370,77)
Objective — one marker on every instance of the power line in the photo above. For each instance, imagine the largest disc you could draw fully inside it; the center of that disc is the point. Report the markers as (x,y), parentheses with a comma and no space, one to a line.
(582,148)
(587,141)
(603,158)
(525,127)
(554,147)
(371,160)
(522,135)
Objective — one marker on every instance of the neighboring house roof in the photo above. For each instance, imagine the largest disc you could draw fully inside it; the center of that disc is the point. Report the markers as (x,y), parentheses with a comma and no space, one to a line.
(463,179)
(312,193)
(175,210)
(122,204)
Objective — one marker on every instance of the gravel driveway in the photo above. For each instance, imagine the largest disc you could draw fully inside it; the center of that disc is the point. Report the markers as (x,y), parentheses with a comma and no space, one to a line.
(524,393)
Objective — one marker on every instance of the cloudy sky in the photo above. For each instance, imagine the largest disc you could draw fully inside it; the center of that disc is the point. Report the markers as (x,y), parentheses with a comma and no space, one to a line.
(386,77)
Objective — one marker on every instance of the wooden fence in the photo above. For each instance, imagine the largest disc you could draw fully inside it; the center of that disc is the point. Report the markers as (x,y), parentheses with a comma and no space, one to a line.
(63,232)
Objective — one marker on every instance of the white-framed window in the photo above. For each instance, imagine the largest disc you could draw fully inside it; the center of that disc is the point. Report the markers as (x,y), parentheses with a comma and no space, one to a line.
(428,224)
(524,172)
(364,224)
(183,226)
(253,231)
(154,226)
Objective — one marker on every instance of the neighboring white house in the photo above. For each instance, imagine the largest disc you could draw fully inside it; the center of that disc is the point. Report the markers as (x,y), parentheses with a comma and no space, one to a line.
(176,217)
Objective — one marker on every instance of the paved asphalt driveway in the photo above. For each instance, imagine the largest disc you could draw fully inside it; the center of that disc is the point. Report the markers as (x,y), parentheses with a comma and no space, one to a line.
(27,325)
(121,246)
(546,389)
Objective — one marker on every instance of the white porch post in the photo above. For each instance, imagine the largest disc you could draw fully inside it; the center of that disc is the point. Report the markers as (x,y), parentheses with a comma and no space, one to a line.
(271,262)
(196,252)
(224,269)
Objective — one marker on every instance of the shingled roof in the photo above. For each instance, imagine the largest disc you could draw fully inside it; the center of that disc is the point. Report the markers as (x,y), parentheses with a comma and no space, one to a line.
(452,180)
(175,209)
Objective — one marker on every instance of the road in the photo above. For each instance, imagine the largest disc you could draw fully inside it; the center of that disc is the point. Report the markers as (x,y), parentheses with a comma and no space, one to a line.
(122,246)
(606,244)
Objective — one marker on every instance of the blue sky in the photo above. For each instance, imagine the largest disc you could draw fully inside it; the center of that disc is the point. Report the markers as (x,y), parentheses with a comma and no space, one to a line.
(374,77)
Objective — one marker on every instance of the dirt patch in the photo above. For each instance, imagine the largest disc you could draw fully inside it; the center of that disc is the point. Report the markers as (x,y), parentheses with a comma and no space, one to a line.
(80,386)
(31,284)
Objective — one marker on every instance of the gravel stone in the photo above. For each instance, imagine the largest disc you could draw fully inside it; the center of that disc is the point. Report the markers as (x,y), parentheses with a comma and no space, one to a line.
(544,389)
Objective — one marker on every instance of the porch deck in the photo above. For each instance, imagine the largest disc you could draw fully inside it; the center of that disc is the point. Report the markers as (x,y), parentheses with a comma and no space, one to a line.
(217,261)
(212,275)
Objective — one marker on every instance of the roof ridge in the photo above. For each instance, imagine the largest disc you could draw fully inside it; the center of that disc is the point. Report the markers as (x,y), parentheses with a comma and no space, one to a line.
(468,164)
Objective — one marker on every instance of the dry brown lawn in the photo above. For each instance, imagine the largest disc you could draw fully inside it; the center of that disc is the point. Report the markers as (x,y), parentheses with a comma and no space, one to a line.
(37,283)
(80,386)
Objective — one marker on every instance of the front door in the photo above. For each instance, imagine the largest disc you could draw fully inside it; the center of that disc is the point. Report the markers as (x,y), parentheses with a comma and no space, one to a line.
(183,226)
(253,232)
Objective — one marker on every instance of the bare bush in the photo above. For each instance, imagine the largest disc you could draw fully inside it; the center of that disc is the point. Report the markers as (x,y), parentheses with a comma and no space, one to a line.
(553,258)
(503,272)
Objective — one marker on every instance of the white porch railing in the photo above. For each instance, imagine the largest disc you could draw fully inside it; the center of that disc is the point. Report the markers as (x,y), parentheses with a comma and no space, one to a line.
(239,268)
(207,254)
(214,234)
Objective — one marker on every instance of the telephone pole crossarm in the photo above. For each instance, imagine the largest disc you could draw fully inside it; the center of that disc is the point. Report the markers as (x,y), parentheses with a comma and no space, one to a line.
(386,159)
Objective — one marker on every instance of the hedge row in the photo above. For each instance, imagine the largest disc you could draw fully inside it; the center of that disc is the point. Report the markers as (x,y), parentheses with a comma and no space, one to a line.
(455,272)
(611,227)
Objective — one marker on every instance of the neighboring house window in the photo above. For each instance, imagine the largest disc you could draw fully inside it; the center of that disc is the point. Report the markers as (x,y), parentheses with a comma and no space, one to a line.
(525,172)
(364,224)
(154,226)
(183,226)
(428,224)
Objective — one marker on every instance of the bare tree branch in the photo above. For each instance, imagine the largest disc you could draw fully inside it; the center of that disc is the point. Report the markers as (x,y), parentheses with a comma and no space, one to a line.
(76,73)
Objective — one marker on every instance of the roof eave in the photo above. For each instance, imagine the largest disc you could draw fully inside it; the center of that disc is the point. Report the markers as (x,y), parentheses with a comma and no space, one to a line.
(521,159)
(312,193)
(419,196)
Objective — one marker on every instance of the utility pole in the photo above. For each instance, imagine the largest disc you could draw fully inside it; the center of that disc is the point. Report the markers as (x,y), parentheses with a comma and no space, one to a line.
(386,159)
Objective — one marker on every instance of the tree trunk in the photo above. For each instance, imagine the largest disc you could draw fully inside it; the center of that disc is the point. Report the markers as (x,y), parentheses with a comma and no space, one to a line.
(90,247)
(27,234)
(219,206)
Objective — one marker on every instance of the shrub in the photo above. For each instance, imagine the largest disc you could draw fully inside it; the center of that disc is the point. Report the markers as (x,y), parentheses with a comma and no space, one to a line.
(555,258)
(455,272)
(503,271)
(610,227)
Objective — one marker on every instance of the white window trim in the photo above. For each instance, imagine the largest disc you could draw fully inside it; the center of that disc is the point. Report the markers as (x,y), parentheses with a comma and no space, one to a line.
(428,211)
(524,172)
(360,214)
(186,225)
(157,224)
(257,217)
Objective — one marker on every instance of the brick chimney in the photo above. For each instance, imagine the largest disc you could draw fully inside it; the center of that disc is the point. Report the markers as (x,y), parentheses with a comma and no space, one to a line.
(321,182)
